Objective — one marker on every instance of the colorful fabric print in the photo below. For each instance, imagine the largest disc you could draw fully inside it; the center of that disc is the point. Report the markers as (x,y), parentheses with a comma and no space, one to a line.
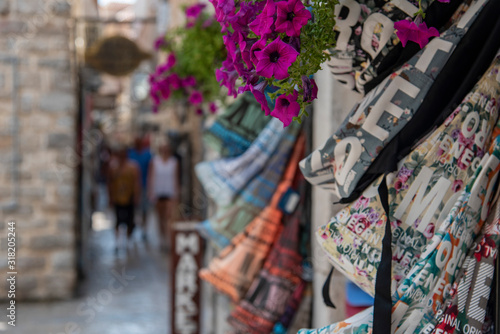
(422,192)
(342,160)
(365,36)
(466,307)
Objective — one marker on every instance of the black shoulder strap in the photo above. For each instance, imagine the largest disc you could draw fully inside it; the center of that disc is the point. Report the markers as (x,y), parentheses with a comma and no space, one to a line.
(326,290)
(382,308)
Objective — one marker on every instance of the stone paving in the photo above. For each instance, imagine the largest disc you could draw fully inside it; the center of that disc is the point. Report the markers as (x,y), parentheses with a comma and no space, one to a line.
(124,293)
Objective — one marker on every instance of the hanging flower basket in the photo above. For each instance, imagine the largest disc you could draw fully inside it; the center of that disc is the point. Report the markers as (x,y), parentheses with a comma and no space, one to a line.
(193,51)
(275,47)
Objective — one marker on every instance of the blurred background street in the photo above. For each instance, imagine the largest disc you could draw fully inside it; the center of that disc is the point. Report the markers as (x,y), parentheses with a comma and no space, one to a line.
(138,301)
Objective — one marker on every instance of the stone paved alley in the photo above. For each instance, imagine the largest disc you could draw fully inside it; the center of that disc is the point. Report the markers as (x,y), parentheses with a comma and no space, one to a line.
(138,305)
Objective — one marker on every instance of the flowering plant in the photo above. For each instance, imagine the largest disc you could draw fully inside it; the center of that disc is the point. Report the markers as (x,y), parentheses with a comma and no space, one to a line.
(187,73)
(275,47)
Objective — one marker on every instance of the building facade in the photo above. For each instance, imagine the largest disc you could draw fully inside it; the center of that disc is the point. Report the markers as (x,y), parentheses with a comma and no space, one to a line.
(38,153)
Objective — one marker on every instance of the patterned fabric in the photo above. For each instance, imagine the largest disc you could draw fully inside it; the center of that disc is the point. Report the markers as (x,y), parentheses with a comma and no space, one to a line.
(365,36)
(223,179)
(291,308)
(230,220)
(420,296)
(421,194)
(360,323)
(303,315)
(423,292)
(270,292)
(233,132)
(466,311)
(238,264)
(344,158)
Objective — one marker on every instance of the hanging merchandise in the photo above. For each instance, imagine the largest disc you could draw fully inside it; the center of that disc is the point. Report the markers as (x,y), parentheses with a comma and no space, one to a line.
(433,275)
(421,194)
(425,288)
(466,311)
(303,315)
(291,309)
(360,323)
(422,293)
(223,179)
(270,292)
(366,35)
(473,56)
(341,162)
(231,219)
(233,132)
(238,264)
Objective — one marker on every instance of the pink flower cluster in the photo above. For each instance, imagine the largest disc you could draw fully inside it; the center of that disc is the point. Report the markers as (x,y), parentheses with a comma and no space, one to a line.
(262,39)
(164,81)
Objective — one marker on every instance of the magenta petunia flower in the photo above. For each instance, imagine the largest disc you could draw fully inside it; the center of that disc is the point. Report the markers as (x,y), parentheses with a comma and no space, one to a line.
(160,42)
(171,60)
(196,98)
(263,23)
(190,81)
(258,46)
(195,10)
(247,14)
(275,59)
(410,31)
(174,81)
(212,107)
(286,108)
(199,111)
(164,88)
(227,76)
(246,49)
(291,17)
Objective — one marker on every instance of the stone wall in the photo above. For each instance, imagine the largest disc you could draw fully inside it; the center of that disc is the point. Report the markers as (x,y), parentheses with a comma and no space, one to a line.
(38,191)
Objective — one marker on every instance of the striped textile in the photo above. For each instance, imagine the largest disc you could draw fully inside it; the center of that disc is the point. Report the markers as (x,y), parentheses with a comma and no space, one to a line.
(231,219)
(233,271)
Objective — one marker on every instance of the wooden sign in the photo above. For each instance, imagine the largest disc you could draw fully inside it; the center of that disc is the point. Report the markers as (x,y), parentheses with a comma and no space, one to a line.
(186,261)
(115,55)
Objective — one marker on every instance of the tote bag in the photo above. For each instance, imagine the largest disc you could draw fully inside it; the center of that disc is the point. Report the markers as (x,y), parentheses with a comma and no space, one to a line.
(238,264)
(366,36)
(341,161)
(421,194)
(267,298)
(423,290)
(231,219)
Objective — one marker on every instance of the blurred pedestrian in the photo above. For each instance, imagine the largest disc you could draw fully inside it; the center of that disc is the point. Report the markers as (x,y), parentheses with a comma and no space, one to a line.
(141,154)
(163,187)
(124,191)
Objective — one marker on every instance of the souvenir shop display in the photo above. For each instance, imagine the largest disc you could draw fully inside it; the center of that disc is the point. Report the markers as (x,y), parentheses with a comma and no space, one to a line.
(436,201)
(415,163)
